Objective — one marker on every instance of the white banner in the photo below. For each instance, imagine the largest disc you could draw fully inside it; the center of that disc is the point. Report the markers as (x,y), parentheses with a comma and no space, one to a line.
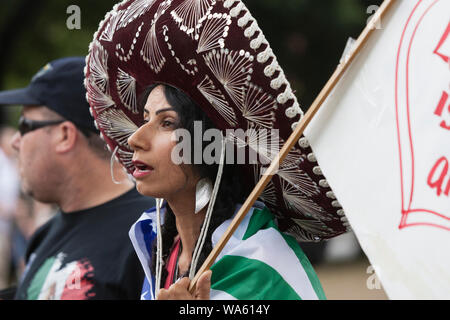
(382,139)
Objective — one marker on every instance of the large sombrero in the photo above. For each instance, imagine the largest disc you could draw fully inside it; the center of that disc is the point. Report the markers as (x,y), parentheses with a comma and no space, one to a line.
(214,51)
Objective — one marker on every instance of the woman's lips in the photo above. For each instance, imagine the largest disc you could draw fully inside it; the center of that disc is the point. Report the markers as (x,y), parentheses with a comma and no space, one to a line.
(141,169)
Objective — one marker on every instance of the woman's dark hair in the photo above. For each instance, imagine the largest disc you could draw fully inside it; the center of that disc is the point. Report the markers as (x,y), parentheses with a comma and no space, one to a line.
(230,191)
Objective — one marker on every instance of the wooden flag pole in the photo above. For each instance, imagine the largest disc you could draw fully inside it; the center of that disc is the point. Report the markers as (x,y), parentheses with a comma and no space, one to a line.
(295,136)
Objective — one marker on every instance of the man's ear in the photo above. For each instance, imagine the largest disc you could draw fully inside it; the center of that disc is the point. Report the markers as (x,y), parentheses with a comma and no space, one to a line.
(65,137)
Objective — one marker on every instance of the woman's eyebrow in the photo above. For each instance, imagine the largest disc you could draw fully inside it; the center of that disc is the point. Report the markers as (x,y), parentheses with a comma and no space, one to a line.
(163,110)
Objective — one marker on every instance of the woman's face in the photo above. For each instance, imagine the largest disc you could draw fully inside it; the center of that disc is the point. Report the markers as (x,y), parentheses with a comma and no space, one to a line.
(156,175)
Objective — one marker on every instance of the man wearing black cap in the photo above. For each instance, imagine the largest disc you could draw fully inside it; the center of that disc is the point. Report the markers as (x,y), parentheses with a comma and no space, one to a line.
(84,251)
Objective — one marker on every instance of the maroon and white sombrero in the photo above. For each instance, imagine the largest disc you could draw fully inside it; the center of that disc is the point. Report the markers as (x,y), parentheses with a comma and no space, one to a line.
(214,51)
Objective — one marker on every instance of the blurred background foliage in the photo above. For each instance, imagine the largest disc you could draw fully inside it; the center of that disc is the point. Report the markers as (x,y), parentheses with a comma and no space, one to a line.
(308,37)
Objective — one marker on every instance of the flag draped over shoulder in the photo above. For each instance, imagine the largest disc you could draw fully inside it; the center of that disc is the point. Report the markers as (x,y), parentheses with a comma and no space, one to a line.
(142,234)
(258,262)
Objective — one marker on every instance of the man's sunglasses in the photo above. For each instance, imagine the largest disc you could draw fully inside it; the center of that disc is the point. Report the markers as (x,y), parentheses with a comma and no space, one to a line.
(28,125)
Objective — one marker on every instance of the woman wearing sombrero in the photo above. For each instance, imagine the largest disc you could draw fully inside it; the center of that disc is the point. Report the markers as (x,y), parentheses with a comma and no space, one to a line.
(159,73)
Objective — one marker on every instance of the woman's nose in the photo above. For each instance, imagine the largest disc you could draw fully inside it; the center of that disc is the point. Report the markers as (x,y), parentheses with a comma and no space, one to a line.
(137,140)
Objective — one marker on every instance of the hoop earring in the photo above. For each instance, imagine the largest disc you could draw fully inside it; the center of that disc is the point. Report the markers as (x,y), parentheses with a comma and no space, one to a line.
(203,191)
(111,166)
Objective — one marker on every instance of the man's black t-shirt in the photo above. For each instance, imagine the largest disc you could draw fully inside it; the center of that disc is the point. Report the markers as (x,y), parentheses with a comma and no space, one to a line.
(86,254)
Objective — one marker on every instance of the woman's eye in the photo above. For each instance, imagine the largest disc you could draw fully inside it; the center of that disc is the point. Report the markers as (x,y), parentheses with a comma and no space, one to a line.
(167,123)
